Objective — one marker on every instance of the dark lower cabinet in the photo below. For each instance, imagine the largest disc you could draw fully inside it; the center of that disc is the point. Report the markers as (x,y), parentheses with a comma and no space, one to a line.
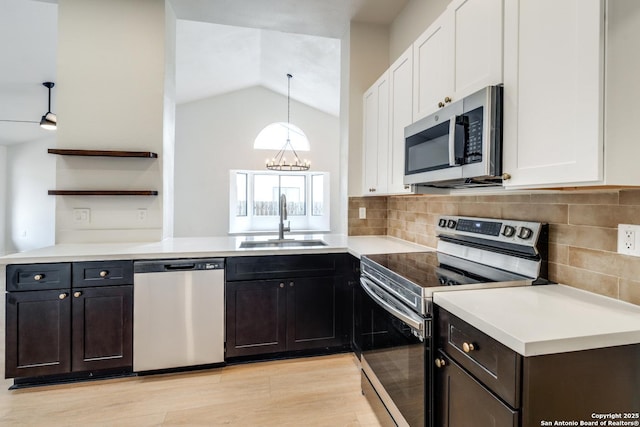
(64,331)
(102,320)
(38,333)
(296,312)
(255,317)
(463,401)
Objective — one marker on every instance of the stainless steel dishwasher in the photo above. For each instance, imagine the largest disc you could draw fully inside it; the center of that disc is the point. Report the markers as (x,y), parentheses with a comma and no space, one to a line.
(178,313)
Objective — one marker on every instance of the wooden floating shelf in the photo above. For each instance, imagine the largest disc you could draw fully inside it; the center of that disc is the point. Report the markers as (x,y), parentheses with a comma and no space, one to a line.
(103,153)
(103,193)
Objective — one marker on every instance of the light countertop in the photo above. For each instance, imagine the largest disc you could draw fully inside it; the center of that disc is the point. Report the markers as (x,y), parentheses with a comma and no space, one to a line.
(200,247)
(546,319)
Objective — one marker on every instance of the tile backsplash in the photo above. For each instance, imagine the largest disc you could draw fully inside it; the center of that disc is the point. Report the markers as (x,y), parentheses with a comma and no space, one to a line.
(582,229)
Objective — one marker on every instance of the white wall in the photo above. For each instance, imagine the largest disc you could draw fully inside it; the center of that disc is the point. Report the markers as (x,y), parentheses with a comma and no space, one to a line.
(30,215)
(3,199)
(414,18)
(113,94)
(216,134)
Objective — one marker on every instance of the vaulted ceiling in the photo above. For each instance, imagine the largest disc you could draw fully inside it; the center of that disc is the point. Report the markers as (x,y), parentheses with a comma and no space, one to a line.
(221,45)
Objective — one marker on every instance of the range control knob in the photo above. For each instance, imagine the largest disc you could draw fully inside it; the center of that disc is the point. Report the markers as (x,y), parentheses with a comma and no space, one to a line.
(442,222)
(451,224)
(508,231)
(525,233)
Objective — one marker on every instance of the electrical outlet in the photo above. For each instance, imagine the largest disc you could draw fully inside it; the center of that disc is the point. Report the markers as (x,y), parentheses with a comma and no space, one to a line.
(142,214)
(628,235)
(362,212)
(81,215)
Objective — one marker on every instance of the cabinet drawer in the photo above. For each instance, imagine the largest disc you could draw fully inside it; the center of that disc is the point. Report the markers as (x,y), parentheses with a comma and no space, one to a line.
(283,266)
(33,277)
(492,363)
(102,273)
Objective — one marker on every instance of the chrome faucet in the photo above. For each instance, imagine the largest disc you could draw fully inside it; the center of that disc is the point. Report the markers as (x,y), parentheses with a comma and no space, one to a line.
(283,217)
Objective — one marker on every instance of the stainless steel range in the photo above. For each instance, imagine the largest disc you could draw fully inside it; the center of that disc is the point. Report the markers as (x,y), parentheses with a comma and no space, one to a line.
(395,307)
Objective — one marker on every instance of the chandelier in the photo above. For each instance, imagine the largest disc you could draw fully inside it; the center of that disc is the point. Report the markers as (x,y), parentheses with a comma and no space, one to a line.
(279,162)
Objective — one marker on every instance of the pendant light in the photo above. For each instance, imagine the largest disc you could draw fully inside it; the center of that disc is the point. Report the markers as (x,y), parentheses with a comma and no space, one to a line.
(49,121)
(279,162)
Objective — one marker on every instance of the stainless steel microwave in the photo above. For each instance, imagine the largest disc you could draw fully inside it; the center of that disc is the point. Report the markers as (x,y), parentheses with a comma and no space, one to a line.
(458,146)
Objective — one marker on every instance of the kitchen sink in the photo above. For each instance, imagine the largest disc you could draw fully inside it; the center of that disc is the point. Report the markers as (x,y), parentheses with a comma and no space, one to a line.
(285,243)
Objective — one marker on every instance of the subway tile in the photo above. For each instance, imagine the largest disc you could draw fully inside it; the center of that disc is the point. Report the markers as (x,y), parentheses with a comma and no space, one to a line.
(442,208)
(558,253)
(603,215)
(596,261)
(483,210)
(599,238)
(583,279)
(589,198)
(630,291)
(375,213)
(630,197)
(505,198)
(553,214)
(629,267)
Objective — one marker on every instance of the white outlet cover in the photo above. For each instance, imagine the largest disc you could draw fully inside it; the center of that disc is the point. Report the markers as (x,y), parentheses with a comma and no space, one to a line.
(362,213)
(633,248)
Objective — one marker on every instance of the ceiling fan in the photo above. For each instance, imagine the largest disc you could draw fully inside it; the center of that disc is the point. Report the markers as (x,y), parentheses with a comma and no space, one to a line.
(49,120)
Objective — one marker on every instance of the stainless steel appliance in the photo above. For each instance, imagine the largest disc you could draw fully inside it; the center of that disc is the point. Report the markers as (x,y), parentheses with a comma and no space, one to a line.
(178,313)
(460,145)
(395,307)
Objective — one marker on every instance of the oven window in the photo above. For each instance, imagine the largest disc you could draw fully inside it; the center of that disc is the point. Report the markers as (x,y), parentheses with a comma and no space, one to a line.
(428,150)
(396,357)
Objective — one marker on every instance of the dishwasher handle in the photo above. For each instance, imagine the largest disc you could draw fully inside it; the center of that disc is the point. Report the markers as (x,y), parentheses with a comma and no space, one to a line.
(169,265)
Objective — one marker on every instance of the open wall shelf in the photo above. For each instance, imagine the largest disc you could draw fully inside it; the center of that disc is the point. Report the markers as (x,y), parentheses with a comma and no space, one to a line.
(103,193)
(103,153)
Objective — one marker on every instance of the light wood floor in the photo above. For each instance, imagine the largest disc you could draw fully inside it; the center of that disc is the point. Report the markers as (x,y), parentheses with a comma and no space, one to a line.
(316,391)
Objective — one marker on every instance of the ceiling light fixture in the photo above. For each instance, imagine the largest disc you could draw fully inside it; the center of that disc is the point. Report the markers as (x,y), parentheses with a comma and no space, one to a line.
(279,162)
(49,121)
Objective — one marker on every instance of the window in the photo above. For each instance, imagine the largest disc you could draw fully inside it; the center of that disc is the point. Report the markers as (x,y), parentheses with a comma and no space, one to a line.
(255,195)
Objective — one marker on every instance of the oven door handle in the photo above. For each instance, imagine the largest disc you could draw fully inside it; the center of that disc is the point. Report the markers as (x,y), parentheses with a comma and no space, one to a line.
(407,317)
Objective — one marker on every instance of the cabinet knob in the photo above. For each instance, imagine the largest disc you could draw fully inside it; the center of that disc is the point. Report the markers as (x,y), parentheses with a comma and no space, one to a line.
(371,190)
(63,295)
(440,363)
(282,285)
(506,176)
(77,294)
(407,187)
(291,284)
(440,104)
(468,347)
(104,273)
(447,99)
(38,277)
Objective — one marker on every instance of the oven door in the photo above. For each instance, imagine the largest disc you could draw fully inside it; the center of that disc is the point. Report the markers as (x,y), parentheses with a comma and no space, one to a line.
(396,348)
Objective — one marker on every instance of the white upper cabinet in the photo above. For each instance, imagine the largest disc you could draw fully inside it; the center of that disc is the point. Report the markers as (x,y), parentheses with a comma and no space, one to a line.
(460,53)
(553,92)
(433,68)
(571,97)
(400,116)
(376,137)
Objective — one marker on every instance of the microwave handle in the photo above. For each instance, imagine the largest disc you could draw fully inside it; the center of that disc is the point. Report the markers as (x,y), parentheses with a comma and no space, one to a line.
(452,141)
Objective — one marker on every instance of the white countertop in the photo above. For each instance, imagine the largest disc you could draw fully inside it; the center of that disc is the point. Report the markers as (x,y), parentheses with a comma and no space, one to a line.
(546,319)
(200,247)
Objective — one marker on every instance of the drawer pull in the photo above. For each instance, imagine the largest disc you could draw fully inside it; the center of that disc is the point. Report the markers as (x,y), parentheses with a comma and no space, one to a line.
(282,285)
(63,295)
(77,294)
(440,363)
(104,273)
(468,347)
(38,277)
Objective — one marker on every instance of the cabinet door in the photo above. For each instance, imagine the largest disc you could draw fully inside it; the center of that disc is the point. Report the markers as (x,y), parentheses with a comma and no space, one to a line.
(461,401)
(400,116)
(477,44)
(255,317)
(313,319)
(553,92)
(433,67)
(38,329)
(102,324)
(376,136)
